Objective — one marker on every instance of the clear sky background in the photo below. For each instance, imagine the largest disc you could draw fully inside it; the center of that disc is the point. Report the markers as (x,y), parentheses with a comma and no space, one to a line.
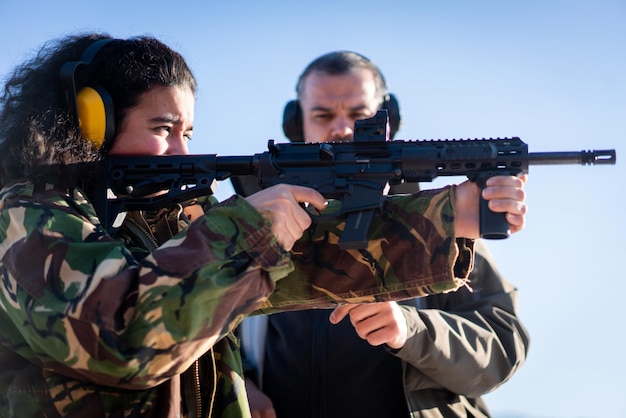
(552,72)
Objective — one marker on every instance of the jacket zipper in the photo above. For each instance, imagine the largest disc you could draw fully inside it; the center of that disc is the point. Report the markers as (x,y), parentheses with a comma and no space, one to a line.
(143,233)
(148,239)
(406,395)
(319,365)
(196,388)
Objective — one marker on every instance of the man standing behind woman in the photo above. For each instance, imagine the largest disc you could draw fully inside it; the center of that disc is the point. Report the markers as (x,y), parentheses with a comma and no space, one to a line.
(429,357)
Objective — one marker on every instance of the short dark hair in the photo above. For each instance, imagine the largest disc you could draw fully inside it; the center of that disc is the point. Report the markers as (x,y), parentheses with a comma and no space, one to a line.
(340,63)
(38,133)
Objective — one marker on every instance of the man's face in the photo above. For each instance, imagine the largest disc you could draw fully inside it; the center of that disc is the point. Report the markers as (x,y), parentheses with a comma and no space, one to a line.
(331,103)
(160,124)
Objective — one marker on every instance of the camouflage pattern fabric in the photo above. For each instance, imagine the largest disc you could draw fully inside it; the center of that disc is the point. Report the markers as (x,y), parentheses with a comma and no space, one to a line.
(383,271)
(100,327)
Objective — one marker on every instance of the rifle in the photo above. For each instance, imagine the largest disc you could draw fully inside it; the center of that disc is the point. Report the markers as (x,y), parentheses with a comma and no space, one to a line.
(356,173)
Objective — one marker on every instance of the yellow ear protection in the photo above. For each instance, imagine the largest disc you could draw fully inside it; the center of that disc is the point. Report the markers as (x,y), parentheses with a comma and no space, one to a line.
(292,118)
(91,106)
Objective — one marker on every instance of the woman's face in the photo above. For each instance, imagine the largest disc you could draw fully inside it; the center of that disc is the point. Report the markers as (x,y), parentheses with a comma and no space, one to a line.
(160,124)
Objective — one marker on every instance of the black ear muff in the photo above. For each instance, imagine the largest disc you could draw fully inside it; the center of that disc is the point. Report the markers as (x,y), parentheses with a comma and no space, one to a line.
(292,121)
(91,106)
(393,111)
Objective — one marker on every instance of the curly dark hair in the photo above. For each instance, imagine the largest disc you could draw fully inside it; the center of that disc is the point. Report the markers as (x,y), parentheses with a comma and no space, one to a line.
(38,134)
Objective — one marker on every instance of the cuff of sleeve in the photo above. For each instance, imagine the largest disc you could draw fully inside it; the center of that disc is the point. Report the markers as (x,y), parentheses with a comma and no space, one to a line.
(441,213)
(465,246)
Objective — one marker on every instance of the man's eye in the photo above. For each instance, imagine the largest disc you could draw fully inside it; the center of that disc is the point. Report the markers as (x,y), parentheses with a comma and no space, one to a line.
(187,137)
(166,129)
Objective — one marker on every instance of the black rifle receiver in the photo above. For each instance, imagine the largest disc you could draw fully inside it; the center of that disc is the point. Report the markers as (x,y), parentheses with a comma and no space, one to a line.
(356,173)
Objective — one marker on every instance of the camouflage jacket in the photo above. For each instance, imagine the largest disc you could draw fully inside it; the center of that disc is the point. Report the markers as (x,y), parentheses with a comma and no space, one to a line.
(98,326)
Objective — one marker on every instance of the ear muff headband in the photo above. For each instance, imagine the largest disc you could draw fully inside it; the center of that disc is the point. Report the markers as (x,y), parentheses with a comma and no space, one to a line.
(292,118)
(91,106)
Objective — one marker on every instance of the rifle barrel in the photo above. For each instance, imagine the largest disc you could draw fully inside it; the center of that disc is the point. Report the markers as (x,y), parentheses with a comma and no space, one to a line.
(567,157)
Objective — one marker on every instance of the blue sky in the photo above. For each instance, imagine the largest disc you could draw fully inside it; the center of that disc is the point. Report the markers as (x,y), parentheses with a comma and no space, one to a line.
(552,72)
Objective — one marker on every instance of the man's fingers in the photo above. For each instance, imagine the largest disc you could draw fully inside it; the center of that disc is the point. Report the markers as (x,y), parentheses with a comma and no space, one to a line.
(337,315)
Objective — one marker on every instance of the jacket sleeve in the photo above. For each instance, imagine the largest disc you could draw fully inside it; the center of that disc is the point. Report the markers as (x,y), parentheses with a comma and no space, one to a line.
(470,341)
(412,252)
(77,302)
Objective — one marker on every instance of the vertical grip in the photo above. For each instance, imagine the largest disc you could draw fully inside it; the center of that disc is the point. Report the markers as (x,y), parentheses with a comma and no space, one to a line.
(493,225)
